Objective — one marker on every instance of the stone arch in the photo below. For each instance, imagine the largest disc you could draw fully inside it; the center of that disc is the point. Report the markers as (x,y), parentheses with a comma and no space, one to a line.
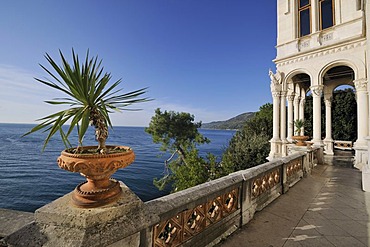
(289,77)
(355,66)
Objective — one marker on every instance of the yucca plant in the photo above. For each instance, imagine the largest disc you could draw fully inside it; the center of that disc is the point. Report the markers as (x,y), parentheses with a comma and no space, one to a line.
(299,125)
(89,97)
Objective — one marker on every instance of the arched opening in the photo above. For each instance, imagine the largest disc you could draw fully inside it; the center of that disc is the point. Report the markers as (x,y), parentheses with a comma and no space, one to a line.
(340,109)
(300,85)
(344,114)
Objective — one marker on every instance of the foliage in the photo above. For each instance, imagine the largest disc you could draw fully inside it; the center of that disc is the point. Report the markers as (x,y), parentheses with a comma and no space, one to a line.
(189,172)
(250,146)
(174,130)
(344,119)
(299,125)
(344,115)
(178,134)
(89,96)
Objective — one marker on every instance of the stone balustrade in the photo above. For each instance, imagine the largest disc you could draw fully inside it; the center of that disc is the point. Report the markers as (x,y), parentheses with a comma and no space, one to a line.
(343,145)
(198,216)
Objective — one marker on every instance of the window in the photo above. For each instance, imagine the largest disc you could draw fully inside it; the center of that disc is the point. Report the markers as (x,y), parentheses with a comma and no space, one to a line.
(326,13)
(304,17)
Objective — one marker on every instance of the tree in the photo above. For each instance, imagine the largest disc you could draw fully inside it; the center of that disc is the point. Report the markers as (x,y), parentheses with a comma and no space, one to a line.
(344,115)
(344,110)
(249,146)
(178,134)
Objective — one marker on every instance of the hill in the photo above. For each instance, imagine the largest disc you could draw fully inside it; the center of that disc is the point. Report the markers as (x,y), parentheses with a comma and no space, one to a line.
(232,123)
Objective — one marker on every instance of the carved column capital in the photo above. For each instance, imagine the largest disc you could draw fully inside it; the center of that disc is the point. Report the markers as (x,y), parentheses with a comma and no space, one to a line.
(297,99)
(360,84)
(283,94)
(275,94)
(276,88)
(328,102)
(317,90)
(291,97)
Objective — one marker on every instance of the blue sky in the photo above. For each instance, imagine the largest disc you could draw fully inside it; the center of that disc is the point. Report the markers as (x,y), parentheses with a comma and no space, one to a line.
(206,57)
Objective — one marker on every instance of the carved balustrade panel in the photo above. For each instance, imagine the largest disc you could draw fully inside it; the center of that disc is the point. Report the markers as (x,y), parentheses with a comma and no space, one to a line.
(293,167)
(185,225)
(344,145)
(265,182)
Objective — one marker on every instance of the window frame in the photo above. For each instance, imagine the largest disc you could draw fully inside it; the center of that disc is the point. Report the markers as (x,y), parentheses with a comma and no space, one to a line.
(301,9)
(320,14)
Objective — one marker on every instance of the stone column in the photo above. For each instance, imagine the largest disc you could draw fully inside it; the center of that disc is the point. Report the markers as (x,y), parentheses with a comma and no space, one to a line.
(301,111)
(283,124)
(316,95)
(275,141)
(328,141)
(276,116)
(362,112)
(361,145)
(290,116)
(297,99)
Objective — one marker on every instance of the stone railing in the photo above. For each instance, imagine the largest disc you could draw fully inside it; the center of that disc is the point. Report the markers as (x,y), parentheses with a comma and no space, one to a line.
(204,214)
(343,145)
(198,216)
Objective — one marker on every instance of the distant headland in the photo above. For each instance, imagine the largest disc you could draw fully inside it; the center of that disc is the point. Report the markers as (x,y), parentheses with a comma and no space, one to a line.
(234,123)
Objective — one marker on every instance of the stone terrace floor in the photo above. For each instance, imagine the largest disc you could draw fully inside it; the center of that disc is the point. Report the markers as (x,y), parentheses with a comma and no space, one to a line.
(326,208)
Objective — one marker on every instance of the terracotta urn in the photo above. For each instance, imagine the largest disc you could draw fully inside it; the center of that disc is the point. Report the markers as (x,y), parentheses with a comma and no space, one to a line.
(300,140)
(98,189)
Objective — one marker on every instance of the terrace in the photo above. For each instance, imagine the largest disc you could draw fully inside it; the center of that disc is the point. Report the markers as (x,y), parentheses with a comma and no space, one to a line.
(303,199)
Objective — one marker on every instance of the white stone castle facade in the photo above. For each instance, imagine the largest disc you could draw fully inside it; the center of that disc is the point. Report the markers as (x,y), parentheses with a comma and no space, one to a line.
(321,44)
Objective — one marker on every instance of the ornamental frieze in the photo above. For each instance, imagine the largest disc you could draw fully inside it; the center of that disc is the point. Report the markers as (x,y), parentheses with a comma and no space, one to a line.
(321,53)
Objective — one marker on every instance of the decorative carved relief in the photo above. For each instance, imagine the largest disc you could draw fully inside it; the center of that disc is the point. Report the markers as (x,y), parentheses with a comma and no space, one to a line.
(275,78)
(293,167)
(360,84)
(317,90)
(303,44)
(325,37)
(275,94)
(264,183)
(291,96)
(322,53)
(185,225)
(328,102)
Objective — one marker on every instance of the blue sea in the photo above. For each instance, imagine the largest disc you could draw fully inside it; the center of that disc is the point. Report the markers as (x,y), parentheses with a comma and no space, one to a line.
(30,178)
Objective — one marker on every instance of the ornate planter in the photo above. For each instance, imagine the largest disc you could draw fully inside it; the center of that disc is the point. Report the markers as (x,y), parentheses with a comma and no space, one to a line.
(98,189)
(300,140)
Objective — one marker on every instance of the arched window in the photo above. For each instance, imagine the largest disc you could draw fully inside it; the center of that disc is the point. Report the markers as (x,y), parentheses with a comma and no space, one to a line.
(326,13)
(304,17)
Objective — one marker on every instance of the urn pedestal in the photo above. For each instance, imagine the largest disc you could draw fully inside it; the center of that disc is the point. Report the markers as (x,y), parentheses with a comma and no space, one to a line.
(300,140)
(98,189)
